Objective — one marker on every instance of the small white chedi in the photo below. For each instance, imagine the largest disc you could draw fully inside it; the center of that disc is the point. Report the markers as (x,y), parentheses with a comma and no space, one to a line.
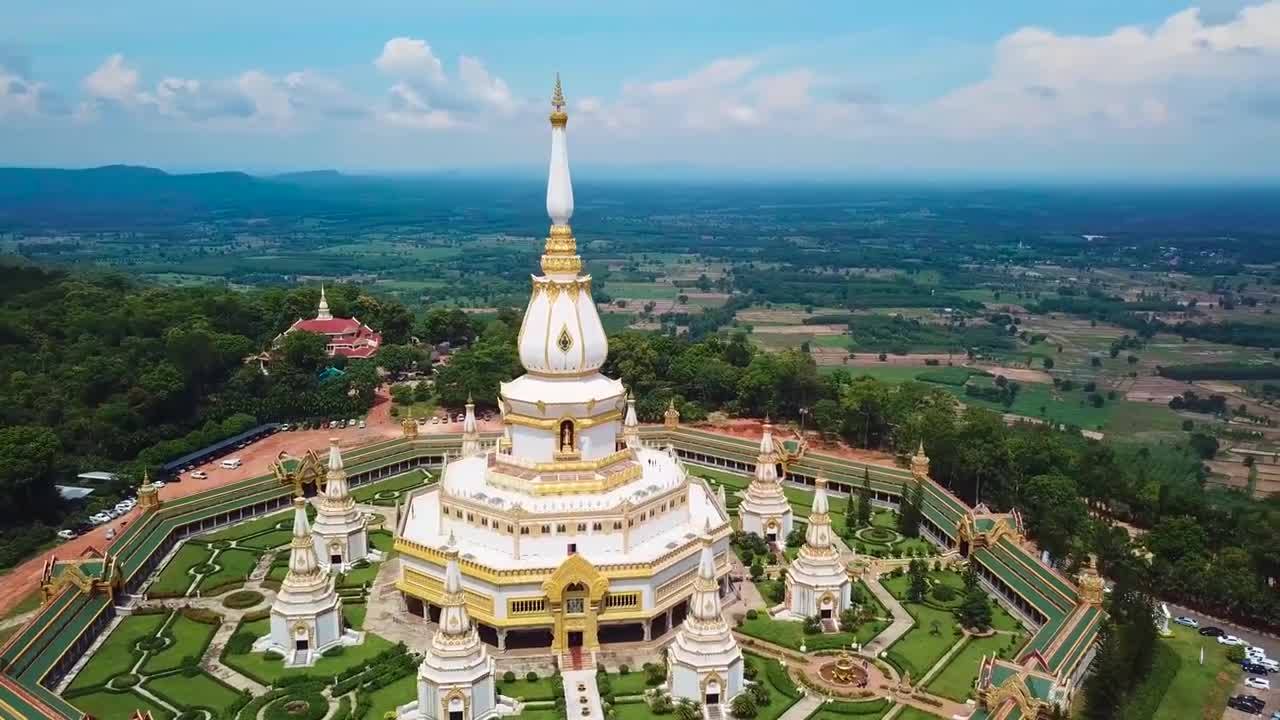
(456,677)
(704,661)
(817,583)
(764,509)
(306,617)
(341,536)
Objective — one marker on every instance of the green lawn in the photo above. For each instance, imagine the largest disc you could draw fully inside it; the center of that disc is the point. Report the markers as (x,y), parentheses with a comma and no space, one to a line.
(268,540)
(778,703)
(235,566)
(354,613)
(252,527)
(176,577)
(629,711)
(1203,687)
(791,634)
(956,680)
(189,639)
(412,479)
(106,704)
(200,690)
(540,689)
(390,697)
(359,576)
(633,683)
(1002,620)
(256,665)
(919,649)
(116,654)
(381,540)
(911,713)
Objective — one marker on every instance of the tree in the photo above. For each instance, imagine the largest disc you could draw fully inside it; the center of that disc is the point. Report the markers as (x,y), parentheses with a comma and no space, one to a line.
(744,706)
(864,499)
(28,458)
(304,351)
(919,583)
(1055,513)
(975,611)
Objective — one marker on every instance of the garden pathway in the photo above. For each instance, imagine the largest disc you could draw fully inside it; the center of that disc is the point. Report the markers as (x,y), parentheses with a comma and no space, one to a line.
(574,698)
(803,707)
(942,661)
(902,620)
(385,614)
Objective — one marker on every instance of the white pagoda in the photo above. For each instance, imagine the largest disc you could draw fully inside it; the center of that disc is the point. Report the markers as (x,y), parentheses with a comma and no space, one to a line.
(817,583)
(456,677)
(704,662)
(764,509)
(306,617)
(341,536)
(571,533)
(470,431)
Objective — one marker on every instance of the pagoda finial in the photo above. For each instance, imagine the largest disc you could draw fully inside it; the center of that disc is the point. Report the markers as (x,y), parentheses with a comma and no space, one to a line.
(557,95)
(322,312)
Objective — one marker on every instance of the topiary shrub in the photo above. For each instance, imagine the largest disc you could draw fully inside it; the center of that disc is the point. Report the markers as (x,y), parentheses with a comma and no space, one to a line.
(744,706)
(242,599)
(531,676)
(623,669)
(508,676)
(752,614)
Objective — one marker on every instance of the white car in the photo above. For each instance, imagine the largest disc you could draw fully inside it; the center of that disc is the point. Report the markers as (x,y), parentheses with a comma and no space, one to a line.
(352,422)
(1186,621)
(1229,640)
(361,424)
(1254,650)
(99,518)
(157,484)
(66,534)
(1258,683)
(1268,663)
(199,475)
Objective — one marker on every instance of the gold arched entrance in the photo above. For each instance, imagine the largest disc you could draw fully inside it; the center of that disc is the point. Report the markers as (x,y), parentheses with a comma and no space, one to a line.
(574,595)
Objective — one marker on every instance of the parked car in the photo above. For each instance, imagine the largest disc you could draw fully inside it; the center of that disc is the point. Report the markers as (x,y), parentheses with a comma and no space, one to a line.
(435,421)
(99,518)
(1210,631)
(1248,703)
(1268,663)
(361,424)
(1229,640)
(199,475)
(1257,683)
(284,427)
(1186,621)
(1255,651)
(352,422)
(157,484)
(66,534)
(1254,668)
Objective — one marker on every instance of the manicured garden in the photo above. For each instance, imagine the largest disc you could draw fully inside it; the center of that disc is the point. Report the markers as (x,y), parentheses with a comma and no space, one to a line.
(933,633)
(269,671)
(387,492)
(956,679)
(543,688)
(791,634)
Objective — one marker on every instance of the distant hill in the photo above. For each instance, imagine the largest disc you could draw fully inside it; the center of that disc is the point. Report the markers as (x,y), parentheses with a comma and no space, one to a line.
(143,196)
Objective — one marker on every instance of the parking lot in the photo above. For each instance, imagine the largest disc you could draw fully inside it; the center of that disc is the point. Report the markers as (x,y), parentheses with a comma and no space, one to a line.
(1270,644)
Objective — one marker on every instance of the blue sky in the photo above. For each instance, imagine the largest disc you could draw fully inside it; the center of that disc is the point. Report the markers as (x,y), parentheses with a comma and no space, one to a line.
(989,88)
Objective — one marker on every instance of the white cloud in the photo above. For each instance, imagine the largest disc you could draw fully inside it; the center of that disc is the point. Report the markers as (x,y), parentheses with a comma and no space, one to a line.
(425,96)
(113,80)
(253,98)
(20,94)
(1171,76)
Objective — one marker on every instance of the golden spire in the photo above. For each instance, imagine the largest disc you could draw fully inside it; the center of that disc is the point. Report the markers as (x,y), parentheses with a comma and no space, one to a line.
(558,116)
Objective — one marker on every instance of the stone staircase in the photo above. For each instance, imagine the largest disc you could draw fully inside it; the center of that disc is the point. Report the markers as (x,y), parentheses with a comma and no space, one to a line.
(713,712)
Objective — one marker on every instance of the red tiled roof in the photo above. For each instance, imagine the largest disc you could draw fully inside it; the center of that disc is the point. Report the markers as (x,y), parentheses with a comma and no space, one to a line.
(334,326)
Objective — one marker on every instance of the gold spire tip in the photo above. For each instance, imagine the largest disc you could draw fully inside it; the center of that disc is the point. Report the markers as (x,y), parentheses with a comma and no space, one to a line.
(557,96)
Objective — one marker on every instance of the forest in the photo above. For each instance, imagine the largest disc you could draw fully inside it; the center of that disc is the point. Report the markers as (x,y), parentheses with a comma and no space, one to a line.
(98,372)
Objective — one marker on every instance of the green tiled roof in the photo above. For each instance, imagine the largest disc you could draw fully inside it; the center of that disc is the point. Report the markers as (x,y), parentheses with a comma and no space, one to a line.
(1045,575)
(1015,581)
(1016,560)
(1075,643)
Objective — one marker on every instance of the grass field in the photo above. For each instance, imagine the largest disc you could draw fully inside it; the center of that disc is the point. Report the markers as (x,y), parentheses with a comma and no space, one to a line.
(920,649)
(268,540)
(189,639)
(540,689)
(791,634)
(107,704)
(412,479)
(388,698)
(778,702)
(956,679)
(176,576)
(116,654)
(252,527)
(200,690)
(234,567)
(1184,688)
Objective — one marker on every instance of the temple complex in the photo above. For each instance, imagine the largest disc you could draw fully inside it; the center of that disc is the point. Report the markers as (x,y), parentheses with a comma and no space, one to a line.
(570,533)
(346,336)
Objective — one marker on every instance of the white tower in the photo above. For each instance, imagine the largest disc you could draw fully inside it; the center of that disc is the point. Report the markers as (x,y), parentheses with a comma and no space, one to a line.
(705,661)
(470,431)
(322,312)
(765,510)
(341,537)
(631,424)
(456,677)
(306,617)
(817,583)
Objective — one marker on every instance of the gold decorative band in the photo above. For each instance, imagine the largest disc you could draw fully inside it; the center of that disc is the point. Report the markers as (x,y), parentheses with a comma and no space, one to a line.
(552,423)
(559,118)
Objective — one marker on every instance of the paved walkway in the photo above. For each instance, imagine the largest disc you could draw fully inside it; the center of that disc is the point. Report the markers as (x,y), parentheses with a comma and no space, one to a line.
(385,613)
(803,708)
(573,679)
(902,620)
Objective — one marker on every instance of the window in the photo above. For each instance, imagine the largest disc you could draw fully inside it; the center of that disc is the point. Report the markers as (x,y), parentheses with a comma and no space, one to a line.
(582,527)
(546,529)
(510,529)
(471,517)
(617,524)
(524,531)
(596,527)
(573,548)
(484,521)
(560,528)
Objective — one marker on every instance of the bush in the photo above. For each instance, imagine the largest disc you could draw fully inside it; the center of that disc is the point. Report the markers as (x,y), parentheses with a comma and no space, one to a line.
(744,706)
(759,693)
(623,669)
(242,599)
(943,592)
(655,675)
(1235,654)
(752,614)
(508,676)
(531,676)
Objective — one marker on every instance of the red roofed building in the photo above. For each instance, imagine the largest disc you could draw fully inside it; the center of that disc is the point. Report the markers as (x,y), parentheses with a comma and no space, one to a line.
(348,337)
